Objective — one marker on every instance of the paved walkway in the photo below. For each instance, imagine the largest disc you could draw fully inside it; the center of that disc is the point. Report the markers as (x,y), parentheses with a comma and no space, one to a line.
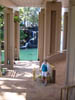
(19,85)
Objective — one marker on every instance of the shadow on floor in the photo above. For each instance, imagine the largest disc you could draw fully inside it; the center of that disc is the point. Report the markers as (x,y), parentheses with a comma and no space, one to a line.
(22,87)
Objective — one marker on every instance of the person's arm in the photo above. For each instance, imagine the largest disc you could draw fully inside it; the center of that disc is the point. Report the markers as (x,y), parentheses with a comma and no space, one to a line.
(49,67)
(41,67)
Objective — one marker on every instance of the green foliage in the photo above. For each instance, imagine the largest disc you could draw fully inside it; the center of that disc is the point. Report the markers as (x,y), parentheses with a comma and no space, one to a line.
(1,16)
(26,15)
(1,8)
(16,19)
(1,23)
(22,35)
(2,62)
(1,35)
(29,15)
(21,24)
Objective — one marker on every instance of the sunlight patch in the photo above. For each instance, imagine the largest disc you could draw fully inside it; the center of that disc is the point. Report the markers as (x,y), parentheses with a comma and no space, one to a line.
(12,96)
(28,74)
(11,79)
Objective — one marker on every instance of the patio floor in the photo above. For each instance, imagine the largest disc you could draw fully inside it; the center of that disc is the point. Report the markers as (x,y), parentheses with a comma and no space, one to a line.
(19,84)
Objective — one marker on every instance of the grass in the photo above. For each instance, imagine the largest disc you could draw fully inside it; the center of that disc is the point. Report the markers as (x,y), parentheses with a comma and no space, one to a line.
(25,54)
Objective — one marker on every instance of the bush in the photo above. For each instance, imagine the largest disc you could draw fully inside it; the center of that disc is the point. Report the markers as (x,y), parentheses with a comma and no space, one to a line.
(23,35)
(2,35)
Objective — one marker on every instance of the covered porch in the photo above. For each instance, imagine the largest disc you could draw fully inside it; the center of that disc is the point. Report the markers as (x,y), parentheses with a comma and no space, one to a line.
(21,86)
(49,35)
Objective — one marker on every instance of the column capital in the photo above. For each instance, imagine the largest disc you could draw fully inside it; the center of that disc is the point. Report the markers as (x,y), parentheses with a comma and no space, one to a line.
(8,10)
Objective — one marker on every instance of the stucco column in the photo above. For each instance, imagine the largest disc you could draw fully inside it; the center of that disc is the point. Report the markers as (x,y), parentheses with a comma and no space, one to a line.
(71,44)
(41,36)
(16,37)
(65,30)
(70,75)
(52,28)
(0,54)
(9,37)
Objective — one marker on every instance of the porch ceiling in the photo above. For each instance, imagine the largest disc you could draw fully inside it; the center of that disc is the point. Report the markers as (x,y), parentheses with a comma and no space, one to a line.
(28,3)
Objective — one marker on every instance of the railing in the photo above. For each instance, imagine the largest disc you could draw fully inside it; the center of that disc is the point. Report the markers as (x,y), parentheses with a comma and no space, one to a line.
(67,89)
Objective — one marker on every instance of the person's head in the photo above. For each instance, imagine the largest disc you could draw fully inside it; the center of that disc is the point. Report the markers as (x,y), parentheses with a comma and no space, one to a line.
(45,60)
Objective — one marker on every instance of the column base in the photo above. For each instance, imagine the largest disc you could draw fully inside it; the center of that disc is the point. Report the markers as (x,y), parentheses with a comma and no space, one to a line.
(17,58)
(8,66)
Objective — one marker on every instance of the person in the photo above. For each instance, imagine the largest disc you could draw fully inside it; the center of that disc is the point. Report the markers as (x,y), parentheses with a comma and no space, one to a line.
(45,69)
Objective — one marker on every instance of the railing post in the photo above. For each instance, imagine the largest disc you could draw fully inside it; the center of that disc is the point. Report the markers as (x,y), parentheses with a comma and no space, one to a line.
(67,89)
(61,94)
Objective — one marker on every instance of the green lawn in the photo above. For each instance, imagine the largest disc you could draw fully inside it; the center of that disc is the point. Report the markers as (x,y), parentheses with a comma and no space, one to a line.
(29,54)
(25,54)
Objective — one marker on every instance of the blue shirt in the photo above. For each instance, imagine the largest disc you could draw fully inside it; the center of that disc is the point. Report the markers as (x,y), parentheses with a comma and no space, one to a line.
(44,68)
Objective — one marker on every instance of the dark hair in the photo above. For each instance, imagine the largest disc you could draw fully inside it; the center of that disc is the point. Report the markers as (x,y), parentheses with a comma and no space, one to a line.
(45,60)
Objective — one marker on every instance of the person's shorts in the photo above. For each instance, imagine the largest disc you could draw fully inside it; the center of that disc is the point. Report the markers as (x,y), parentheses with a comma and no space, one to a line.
(44,74)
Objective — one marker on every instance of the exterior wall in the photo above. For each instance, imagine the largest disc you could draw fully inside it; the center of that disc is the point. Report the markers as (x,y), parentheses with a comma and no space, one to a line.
(9,37)
(65,30)
(16,37)
(41,36)
(52,28)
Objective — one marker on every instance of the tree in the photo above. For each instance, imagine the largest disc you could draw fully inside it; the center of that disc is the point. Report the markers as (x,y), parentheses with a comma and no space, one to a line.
(29,15)
(1,22)
(34,15)
(1,27)
(24,14)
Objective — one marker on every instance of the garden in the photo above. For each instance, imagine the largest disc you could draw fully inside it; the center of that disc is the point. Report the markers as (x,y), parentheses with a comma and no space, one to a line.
(28,19)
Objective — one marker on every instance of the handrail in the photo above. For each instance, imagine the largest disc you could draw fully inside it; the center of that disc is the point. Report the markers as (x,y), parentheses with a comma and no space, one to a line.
(56,57)
(67,88)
